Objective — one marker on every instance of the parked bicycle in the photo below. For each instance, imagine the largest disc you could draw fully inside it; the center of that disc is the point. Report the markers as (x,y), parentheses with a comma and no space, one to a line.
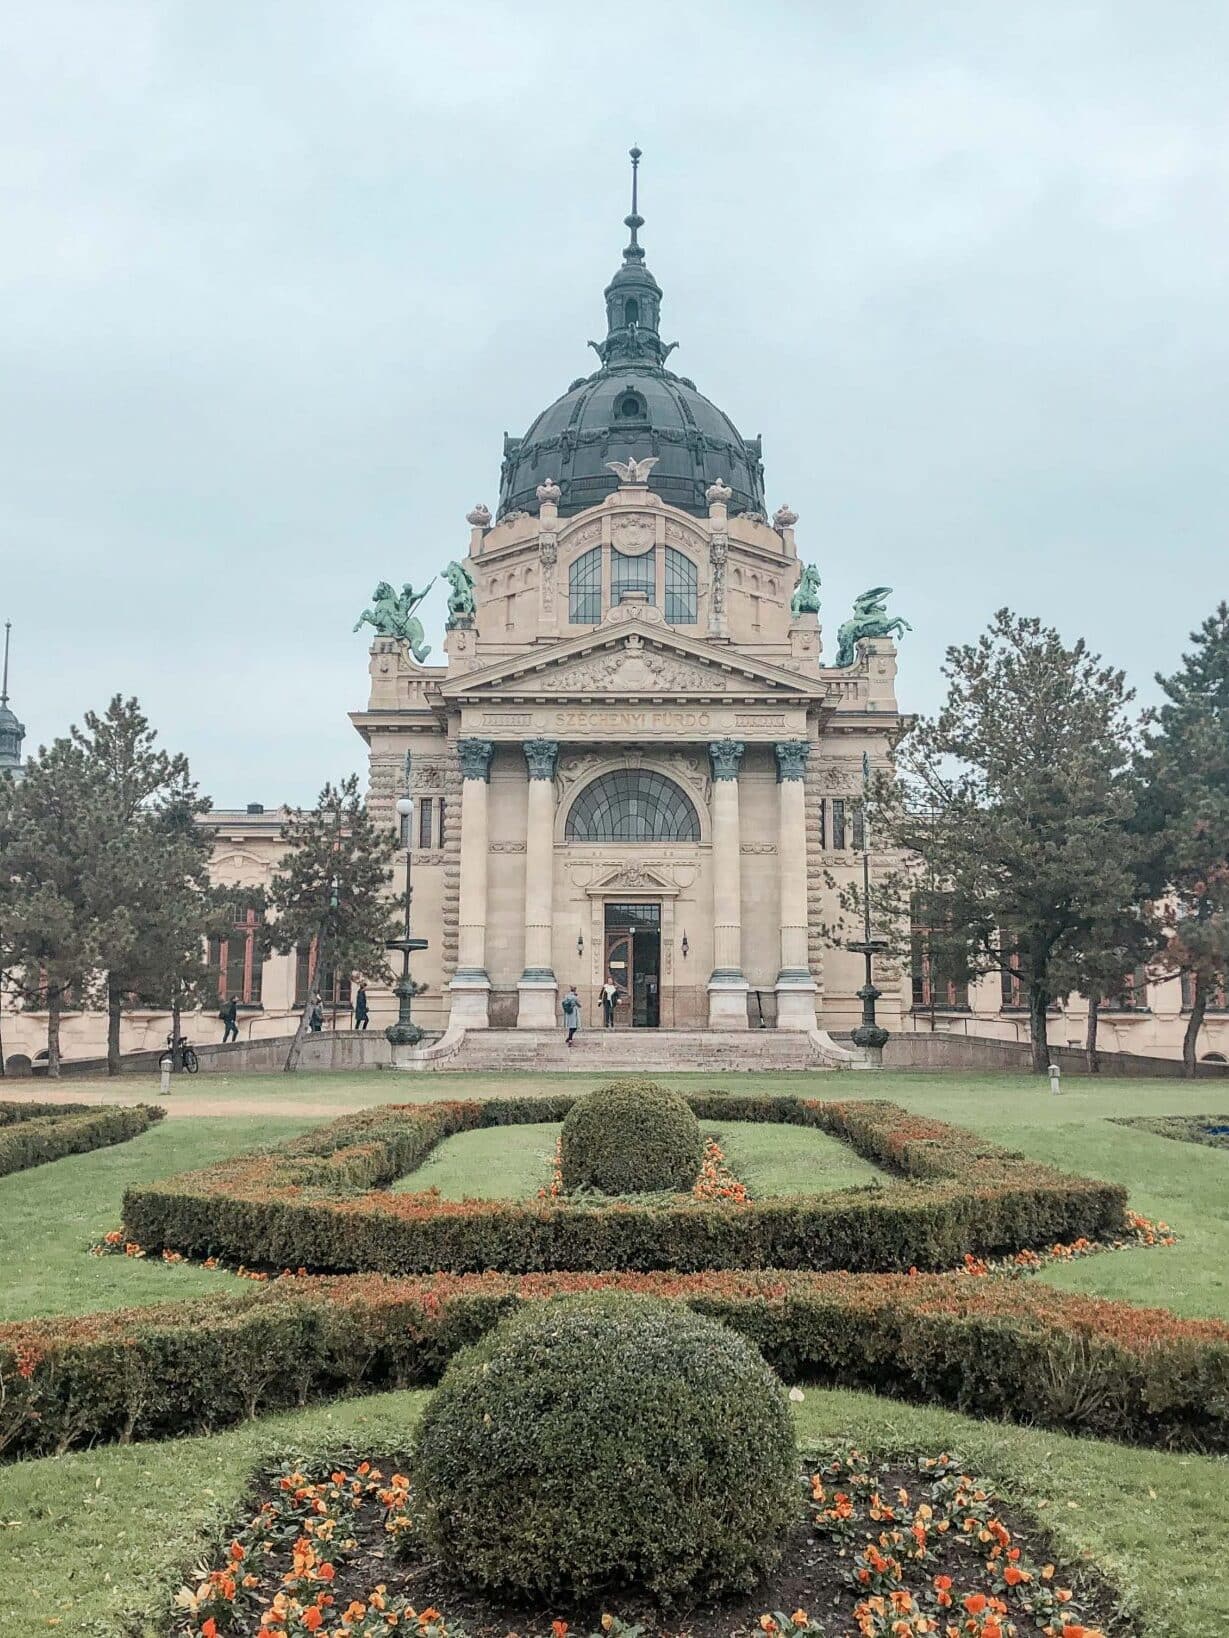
(180,1055)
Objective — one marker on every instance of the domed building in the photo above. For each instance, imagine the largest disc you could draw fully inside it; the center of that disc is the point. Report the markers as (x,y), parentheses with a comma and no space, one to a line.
(634,771)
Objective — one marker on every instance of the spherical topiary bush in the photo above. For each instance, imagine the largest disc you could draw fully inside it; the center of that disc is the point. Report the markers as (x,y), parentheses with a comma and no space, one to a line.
(602,1442)
(631,1136)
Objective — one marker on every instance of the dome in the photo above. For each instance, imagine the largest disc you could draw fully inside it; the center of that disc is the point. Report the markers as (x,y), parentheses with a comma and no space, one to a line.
(630,408)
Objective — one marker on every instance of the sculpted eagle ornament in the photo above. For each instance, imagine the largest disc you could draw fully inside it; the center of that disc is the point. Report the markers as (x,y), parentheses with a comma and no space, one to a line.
(633,472)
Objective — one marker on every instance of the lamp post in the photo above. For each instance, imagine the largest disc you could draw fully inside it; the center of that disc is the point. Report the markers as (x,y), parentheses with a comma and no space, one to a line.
(405,1032)
(869,1033)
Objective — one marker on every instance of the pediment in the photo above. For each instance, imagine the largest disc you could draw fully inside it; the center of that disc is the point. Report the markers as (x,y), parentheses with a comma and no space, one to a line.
(633,878)
(633,659)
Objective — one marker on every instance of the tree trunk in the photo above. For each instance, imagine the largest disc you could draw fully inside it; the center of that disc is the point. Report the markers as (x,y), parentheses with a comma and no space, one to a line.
(53,1033)
(1190,1041)
(296,1045)
(176,1017)
(1090,1039)
(115,1008)
(1038,1002)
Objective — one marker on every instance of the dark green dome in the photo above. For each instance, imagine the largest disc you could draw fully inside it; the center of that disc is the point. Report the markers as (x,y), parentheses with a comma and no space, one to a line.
(632,407)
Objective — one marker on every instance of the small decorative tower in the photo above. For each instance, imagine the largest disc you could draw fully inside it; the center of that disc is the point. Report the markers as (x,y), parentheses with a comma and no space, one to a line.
(12,732)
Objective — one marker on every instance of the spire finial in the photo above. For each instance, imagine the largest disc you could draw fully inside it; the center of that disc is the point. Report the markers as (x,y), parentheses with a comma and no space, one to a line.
(4,690)
(635,220)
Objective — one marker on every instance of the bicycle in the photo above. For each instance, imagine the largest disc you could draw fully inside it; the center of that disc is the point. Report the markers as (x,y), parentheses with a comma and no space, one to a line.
(181,1055)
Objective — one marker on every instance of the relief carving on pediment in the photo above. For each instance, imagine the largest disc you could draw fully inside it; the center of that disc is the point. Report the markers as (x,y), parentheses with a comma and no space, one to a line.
(633,668)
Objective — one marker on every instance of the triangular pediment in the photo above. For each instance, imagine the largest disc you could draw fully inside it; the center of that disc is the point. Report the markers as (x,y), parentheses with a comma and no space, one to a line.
(633,659)
(633,878)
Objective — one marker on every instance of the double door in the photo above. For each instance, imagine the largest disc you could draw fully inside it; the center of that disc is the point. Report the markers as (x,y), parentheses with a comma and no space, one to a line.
(633,963)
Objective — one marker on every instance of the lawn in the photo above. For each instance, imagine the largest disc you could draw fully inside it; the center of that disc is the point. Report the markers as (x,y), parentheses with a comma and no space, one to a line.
(96,1543)
(88,1537)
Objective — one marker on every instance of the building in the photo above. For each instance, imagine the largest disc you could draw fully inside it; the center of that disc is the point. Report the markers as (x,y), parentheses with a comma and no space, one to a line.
(12,732)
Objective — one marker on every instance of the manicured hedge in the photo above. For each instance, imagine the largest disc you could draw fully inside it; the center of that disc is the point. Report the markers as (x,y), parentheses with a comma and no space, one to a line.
(1014,1349)
(321,1202)
(56,1130)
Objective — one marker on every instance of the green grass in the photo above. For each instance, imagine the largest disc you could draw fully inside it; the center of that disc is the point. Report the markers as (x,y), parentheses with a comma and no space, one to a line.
(792,1159)
(95,1543)
(497,1163)
(50,1214)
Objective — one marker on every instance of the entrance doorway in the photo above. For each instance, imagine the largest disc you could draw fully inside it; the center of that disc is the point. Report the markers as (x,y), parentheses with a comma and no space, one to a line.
(633,962)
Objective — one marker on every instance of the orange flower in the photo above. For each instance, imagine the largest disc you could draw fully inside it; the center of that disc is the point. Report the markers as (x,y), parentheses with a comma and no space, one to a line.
(559,1629)
(326,1572)
(767,1624)
(800,1618)
(209,1629)
(975,1603)
(236,1552)
(313,1617)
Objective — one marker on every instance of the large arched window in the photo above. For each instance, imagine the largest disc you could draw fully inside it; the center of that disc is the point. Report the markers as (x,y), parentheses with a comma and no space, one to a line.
(585,589)
(681,599)
(633,805)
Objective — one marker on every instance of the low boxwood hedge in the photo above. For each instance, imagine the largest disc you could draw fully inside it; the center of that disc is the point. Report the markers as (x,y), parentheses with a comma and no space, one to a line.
(988,1347)
(322,1202)
(33,1133)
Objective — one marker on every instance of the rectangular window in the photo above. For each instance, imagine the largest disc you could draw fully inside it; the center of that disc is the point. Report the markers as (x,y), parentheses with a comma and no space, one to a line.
(426,816)
(235,960)
(859,826)
(681,595)
(440,802)
(1012,989)
(1133,996)
(585,589)
(823,825)
(838,823)
(633,574)
(334,990)
(1217,997)
(406,820)
(933,985)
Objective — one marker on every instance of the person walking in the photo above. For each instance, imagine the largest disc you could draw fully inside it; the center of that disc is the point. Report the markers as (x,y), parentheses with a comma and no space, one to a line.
(230,1020)
(361,1015)
(315,1019)
(571,1013)
(610,1000)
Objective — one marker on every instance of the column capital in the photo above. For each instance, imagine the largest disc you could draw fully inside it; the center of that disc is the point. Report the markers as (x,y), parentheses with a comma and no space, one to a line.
(474,756)
(792,757)
(725,755)
(541,755)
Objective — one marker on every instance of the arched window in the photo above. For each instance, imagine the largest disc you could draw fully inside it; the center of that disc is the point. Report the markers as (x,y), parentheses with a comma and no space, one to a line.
(633,805)
(633,574)
(631,312)
(585,589)
(681,600)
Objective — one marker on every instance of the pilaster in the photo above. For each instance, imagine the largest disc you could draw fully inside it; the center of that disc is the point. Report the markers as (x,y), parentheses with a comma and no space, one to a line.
(471,984)
(795,987)
(537,987)
(727,987)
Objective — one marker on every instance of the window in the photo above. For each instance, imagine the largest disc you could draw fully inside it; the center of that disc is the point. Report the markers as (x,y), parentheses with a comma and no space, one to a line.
(334,990)
(681,600)
(585,589)
(934,983)
(823,826)
(426,821)
(838,823)
(633,574)
(631,407)
(633,805)
(1013,993)
(859,826)
(631,311)
(235,961)
(1218,998)
(1133,996)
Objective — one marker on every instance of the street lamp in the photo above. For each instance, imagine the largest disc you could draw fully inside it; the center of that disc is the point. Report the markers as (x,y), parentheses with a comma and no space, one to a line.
(869,1033)
(405,1032)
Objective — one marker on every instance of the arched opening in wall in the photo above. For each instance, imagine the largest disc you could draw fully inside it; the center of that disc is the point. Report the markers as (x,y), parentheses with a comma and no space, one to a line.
(631,311)
(632,805)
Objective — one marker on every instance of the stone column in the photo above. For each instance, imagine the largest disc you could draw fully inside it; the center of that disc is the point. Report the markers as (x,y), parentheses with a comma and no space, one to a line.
(470,986)
(795,986)
(727,988)
(537,988)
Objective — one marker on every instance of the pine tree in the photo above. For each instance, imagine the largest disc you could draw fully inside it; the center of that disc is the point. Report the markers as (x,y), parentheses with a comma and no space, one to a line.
(48,947)
(1185,766)
(145,878)
(332,896)
(1018,796)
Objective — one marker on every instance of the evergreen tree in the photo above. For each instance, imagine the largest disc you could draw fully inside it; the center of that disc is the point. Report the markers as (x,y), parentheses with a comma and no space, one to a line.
(1018,796)
(145,877)
(1185,766)
(47,937)
(332,895)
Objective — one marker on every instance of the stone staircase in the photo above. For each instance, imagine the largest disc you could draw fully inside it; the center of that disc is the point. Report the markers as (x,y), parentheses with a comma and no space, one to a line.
(595,1051)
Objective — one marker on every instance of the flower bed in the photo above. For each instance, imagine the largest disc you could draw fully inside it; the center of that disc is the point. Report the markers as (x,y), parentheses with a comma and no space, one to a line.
(322,1202)
(33,1133)
(986,1347)
(1212,1130)
(878,1551)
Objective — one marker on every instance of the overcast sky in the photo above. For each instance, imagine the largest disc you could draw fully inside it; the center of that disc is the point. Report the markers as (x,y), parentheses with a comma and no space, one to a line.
(277,275)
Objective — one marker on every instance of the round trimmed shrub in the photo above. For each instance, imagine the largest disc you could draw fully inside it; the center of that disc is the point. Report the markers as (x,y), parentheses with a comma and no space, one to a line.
(605,1442)
(630,1137)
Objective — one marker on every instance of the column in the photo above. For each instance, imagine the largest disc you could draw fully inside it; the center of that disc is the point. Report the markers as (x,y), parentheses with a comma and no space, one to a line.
(537,989)
(470,985)
(727,988)
(795,986)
